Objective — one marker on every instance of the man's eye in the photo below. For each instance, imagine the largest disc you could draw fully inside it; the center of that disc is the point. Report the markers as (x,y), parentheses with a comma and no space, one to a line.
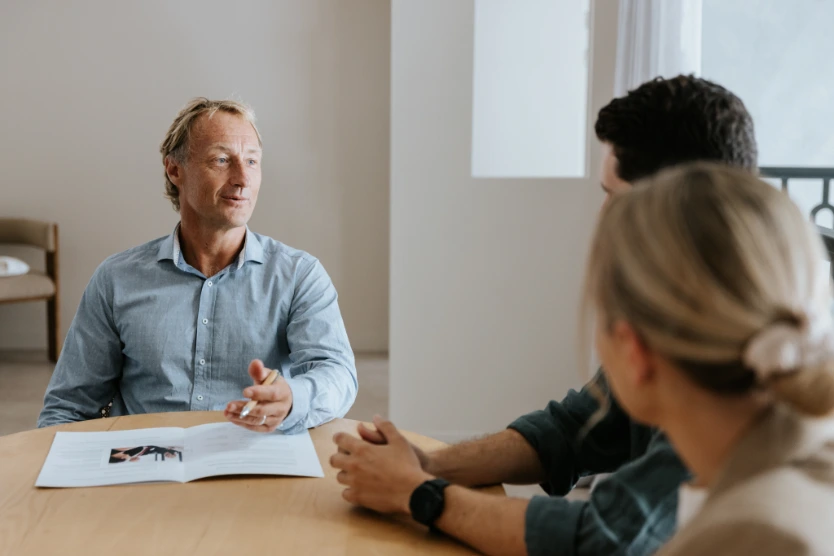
(252,162)
(222,160)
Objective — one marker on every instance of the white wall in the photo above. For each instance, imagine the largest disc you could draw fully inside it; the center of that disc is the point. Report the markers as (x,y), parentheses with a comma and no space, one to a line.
(485,274)
(89,88)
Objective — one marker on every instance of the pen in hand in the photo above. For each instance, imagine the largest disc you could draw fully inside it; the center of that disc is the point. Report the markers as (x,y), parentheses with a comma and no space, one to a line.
(270,378)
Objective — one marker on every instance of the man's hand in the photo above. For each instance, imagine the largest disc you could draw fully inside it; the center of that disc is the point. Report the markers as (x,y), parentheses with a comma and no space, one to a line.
(379,475)
(376,437)
(274,402)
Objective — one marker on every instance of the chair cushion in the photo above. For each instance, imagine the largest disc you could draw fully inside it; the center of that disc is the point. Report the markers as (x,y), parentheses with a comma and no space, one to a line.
(33,284)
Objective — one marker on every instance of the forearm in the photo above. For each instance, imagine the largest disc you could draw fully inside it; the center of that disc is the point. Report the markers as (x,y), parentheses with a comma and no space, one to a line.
(57,414)
(65,404)
(323,374)
(325,392)
(490,524)
(86,376)
(505,457)
(79,387)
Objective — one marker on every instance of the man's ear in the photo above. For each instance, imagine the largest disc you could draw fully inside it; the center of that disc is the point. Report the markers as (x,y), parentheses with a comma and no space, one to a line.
(635,351)
(173,170)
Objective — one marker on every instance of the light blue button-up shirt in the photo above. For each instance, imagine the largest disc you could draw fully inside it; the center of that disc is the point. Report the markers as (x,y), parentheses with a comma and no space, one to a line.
(154,334)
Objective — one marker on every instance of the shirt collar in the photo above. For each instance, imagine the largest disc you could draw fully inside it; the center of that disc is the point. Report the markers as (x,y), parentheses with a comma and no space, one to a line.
(169,249)
(252,250)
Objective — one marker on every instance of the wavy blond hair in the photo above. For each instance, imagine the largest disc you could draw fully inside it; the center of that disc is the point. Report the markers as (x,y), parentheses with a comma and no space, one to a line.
(700,259)
(176,142)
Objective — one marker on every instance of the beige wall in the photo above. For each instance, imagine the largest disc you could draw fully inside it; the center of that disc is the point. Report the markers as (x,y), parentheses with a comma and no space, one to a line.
(89,88)
(485,274)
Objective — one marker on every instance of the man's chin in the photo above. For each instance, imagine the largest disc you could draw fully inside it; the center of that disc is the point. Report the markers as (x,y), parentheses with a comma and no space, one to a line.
(238,218)
(229,224)
(235,224)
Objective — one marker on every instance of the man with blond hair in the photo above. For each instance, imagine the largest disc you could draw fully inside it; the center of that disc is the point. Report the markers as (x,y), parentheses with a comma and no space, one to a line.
(174,324)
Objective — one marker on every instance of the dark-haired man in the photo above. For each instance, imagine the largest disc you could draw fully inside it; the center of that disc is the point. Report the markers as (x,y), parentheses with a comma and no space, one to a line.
(662,123)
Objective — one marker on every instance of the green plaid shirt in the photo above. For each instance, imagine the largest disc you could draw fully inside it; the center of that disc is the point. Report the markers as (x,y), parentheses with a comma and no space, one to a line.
(630,513)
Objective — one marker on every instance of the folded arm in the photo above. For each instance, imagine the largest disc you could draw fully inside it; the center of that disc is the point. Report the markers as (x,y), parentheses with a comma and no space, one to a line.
(632,511)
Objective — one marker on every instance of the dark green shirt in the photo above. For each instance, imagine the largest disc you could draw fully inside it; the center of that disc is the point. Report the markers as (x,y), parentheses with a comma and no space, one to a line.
(632,512)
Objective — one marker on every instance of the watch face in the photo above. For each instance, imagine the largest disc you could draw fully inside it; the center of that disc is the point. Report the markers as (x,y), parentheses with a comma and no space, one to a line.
(426,503)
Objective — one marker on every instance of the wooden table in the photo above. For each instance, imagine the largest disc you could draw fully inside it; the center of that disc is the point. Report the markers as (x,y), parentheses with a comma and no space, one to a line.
(233,516)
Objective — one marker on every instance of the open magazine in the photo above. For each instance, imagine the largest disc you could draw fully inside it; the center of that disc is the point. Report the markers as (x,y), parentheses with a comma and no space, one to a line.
(81,459)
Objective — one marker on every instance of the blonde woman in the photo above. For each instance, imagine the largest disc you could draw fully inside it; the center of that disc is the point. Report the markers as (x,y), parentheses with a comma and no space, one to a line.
(711,308)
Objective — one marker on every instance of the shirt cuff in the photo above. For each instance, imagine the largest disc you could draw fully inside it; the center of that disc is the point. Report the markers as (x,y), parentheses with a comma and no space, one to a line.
(294,421)
(550,526)
(526,428)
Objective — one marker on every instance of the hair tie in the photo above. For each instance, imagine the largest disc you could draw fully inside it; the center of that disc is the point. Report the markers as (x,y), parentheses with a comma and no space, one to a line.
(783,347)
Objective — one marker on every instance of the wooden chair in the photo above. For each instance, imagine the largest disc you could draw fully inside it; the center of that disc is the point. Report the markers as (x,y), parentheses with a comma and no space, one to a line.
(35,286)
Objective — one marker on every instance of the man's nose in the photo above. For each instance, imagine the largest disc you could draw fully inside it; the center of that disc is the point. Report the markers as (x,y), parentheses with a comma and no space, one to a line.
(239,176)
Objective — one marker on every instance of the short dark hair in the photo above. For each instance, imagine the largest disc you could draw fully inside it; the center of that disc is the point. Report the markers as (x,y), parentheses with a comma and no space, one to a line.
(665,122)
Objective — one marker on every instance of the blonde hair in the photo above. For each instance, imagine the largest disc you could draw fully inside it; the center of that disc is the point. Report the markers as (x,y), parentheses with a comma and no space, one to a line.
(176,142)
(702,258)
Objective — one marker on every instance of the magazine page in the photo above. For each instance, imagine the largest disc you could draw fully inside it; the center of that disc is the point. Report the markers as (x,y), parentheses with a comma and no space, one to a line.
(226,449)
(80,459)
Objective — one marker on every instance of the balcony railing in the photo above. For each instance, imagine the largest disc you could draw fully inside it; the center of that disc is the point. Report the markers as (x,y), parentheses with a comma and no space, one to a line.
(785,175)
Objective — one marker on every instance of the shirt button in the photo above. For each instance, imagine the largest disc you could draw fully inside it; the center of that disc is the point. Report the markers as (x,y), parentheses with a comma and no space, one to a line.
(209,283)
(202,361)
(205,321)
(200,398)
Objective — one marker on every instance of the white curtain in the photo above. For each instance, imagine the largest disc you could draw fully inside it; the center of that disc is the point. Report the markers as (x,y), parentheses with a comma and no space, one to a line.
(656,38)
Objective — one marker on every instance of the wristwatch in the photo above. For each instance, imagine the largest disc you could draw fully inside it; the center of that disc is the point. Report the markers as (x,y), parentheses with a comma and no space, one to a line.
(427,502)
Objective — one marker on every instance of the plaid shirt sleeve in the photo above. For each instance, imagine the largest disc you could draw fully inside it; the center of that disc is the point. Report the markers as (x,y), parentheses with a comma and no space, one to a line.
(631,512)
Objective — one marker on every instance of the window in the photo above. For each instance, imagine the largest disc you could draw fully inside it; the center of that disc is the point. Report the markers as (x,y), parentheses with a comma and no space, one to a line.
(530,88)
(776,56)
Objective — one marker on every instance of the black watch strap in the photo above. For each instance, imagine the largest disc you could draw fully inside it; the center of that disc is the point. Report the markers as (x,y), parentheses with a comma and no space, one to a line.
(427,502)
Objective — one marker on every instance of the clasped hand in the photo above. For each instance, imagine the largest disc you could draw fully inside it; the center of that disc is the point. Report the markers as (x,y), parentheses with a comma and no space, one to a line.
(381,469)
